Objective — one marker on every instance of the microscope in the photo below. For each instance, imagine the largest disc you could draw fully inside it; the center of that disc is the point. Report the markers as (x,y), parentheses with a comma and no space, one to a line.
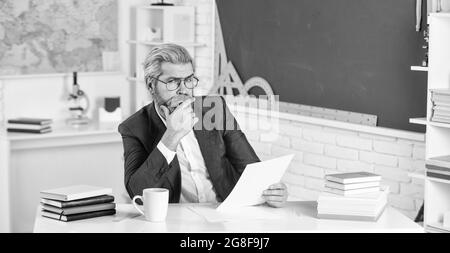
(78,105)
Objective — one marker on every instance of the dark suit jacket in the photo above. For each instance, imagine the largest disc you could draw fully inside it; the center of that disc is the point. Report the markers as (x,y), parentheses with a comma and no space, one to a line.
(225,150)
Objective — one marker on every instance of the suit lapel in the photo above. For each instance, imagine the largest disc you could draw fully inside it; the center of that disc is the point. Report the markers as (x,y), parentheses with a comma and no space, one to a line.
(205,141)
(205,147)
(156,126)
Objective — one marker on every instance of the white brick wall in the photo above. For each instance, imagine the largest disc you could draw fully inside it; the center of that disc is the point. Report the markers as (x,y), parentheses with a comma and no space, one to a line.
(419,152)
(392,173)
(319,136)
(291,129)
(394,187)
(261,148)
(2,109)
(376,137)
(307,146)
(353,166)
(354,142)
(410,164)
(283,141)
(280,151)
(411,190)
(380,159)
(320,161)
(204,24)
(314,183)
(293,179)
(310,171)
(338,152)
(402,202)
(393,148)
(323,150)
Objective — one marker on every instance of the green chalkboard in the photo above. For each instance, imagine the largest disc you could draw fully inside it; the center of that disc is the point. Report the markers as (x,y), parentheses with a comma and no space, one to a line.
(352,55)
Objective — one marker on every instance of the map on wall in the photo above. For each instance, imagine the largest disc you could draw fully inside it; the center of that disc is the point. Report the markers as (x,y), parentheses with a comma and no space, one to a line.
(58,36)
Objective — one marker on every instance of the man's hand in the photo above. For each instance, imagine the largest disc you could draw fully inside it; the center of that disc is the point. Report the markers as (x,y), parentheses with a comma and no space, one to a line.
(179,123)
(276,195)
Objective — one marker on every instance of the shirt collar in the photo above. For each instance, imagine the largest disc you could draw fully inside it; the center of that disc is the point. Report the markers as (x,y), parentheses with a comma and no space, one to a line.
(157,111)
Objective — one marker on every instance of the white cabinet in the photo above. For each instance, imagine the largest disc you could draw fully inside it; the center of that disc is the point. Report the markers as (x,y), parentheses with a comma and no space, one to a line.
(155,25)
(92,155)
(437,191)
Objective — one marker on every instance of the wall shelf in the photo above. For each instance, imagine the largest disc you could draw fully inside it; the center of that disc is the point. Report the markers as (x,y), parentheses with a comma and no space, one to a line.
(437,190)
(134,79)
(416,175)
(436,228)
(420,121)
(419,68)
(156,43)
(423,121)
(440,14)
(154,26)
(438,180)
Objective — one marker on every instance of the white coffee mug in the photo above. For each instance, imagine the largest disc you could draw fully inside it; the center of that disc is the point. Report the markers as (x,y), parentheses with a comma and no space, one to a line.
(156,202)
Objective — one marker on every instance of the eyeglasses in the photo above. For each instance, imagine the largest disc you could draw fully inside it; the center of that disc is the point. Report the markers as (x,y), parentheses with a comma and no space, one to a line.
(190,82)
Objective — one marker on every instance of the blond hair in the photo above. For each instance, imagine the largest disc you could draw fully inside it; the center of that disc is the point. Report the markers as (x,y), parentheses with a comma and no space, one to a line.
(172,53)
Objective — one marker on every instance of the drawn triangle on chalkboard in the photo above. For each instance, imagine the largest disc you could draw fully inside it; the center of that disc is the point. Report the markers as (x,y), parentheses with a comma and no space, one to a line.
(227,79)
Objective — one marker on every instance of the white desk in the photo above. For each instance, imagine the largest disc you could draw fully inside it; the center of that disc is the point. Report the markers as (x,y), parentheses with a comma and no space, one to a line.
(90,154)
(182,219)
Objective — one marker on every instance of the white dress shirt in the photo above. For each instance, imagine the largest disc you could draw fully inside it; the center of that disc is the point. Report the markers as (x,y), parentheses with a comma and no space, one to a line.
(196,186)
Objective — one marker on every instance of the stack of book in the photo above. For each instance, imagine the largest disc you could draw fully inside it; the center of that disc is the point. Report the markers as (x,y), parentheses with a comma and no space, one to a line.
(438,167)
(353,196)
(29,125)
(440,99)
(77,202)
(352,183)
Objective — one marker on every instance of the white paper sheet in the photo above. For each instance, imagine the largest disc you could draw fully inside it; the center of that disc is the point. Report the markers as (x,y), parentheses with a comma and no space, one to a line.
(245,213)
(256,178)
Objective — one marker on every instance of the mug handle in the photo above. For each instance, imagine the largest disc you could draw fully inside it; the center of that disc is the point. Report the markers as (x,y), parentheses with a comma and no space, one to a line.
(136,206)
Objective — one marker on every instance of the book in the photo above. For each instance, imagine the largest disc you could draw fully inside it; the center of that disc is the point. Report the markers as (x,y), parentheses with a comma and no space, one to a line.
(437,168)
(353,191)
(440,120)
(437,227)
(80,202)
(367,206)
(32,121)
(439,161)
(353,177)
(441,115)
(440,91)
(74,192)
(442,172)
(363,199)
(440,98)
(79,216)
(27,126)
(444,104)
(438,175)
(351,186)
(442,108)
(366,217)
(31,131)
(79,209)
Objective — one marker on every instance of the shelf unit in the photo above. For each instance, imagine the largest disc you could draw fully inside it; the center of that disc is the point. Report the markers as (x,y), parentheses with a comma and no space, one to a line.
(419,68)
(156,43)
(437,191)
(156,25)
(424,121)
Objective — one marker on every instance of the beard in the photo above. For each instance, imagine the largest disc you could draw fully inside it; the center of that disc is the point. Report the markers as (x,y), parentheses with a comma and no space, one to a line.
(173,103)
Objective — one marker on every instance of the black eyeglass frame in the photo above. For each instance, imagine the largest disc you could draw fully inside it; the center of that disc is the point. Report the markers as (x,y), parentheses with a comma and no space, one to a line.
(150,78)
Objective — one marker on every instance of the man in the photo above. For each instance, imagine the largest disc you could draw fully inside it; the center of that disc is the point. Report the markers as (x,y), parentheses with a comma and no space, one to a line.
(165,148)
